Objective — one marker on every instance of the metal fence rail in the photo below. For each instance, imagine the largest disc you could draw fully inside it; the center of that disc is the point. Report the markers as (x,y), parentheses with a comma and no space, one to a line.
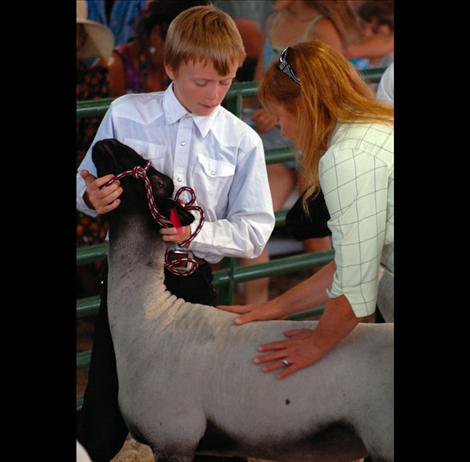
(232,101)
(226,278)
(89,306)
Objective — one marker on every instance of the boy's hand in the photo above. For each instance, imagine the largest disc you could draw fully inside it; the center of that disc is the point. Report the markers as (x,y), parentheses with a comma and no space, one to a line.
(176,235)
(103,200)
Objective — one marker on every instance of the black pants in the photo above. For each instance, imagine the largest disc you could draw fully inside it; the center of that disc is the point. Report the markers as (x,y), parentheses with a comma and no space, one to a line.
(101,428)
(379,319)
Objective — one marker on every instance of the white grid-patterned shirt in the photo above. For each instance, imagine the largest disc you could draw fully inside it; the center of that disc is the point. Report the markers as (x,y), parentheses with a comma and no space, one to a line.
(356,177)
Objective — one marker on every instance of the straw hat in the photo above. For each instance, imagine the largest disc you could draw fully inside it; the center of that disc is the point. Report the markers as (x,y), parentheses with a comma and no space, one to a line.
(100,39)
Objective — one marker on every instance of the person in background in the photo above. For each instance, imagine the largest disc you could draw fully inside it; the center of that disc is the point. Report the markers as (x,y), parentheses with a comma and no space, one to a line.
(118,15)
(355,4)
(249,17)
(253,42)
(295,21)
(386,89)
(347,140)
(94,47)
(375,49)
(254,9)
(95,43)
(137,66)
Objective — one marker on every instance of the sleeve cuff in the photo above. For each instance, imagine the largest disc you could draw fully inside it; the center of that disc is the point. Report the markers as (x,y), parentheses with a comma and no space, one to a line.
(360,308)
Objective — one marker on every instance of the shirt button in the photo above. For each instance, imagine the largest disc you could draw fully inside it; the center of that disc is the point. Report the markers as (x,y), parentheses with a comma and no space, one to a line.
(213,172)
(179,180)
(183,143)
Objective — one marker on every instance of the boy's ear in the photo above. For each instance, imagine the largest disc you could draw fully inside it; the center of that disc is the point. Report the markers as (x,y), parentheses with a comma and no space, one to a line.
(170,71)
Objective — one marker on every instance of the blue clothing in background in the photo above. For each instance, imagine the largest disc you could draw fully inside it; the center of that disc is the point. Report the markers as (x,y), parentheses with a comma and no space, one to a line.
(360,64)
(250,9)
(123,16)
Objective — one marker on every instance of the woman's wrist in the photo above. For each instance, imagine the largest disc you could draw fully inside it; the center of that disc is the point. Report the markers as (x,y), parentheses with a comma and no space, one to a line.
(284,306)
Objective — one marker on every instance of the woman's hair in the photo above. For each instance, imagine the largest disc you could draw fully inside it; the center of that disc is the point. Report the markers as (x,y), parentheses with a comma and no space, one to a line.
(159,13)
(206,34)
(330,91)
(343,17)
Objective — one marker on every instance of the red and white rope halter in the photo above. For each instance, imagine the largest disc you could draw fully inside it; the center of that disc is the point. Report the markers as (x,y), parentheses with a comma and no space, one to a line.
(174,266)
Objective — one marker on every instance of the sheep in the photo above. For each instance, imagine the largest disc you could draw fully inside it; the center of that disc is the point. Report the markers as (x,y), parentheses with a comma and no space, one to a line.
(187,382)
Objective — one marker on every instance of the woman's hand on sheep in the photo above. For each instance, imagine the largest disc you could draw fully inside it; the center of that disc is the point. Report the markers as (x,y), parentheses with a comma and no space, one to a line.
(304,346)
(255,312)
(298,352)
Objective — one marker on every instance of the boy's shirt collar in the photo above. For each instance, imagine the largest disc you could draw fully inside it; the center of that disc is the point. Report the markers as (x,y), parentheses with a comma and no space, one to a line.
(174,111)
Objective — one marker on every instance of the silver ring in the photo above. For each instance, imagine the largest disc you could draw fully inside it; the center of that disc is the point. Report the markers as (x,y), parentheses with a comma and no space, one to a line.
(285,362)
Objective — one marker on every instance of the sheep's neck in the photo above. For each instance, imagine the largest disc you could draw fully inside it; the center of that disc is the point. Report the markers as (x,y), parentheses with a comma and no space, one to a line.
(136,258)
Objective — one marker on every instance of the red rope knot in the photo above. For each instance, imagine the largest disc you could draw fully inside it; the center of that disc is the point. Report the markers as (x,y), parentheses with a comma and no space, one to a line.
(174,266)
(182,263)
(189,206)
(140,172)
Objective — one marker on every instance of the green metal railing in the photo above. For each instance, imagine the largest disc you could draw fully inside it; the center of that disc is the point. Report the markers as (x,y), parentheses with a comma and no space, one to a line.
(89,306)
(227,278)
(232,101)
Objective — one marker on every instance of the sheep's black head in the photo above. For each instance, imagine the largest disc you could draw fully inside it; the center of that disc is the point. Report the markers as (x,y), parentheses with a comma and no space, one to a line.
(113,157)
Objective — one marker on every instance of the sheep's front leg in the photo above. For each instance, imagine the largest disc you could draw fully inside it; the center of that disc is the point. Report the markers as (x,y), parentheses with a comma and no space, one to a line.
(177,437)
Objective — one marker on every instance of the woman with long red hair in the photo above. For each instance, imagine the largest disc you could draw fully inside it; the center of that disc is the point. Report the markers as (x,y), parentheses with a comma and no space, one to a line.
(346,138)
(295,21)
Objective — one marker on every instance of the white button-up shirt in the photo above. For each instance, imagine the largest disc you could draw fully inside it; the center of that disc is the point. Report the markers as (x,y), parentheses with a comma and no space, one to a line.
(218,155)
(357,177)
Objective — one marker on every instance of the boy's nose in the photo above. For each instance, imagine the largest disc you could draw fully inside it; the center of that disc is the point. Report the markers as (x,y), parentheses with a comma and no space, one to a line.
(212,93)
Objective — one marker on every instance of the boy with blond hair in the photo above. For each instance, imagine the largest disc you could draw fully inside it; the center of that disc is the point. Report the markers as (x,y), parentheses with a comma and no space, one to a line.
(187,135)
